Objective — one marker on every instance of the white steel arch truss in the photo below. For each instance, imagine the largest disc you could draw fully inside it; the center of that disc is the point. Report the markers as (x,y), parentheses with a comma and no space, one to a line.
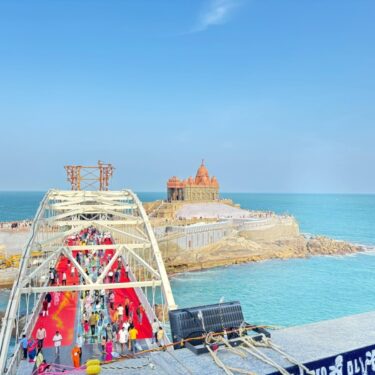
(65,213)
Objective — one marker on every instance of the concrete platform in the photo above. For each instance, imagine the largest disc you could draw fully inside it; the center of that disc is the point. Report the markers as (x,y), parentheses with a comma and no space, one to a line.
(334,347)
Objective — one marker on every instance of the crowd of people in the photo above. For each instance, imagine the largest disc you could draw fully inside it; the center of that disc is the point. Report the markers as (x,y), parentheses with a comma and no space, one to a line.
(104,320)
(33,348)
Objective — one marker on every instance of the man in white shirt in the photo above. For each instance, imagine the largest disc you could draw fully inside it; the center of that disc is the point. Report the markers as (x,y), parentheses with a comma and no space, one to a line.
(52,277)
(120,311)
(41,334)
(57,340)
(64,278)
(155,328)
(126,325)
(123,337)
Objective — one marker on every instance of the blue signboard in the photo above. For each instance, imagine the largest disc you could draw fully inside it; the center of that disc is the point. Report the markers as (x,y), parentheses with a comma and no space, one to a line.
(356,362)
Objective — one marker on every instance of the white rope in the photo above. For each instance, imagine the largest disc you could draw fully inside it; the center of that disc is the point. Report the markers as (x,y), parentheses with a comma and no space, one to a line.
(227,369)
(218,361)
(221,340)
(250,346)
(251,349)
(287,356)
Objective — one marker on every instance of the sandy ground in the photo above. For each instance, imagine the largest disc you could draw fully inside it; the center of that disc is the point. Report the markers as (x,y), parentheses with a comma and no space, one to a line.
(13,241)
(211,210)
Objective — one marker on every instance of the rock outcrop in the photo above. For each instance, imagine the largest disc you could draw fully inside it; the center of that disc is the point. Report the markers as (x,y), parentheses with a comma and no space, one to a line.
(239,249)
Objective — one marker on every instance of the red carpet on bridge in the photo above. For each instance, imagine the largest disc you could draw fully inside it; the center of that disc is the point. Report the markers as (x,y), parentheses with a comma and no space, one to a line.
(62,313)
(144,330)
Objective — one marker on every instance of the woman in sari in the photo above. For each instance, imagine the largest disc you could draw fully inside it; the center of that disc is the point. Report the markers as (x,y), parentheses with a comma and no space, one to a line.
(75,356)
(31,349)
(108,350)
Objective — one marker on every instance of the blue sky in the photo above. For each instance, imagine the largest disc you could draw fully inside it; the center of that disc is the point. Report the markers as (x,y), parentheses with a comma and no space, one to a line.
(276,95)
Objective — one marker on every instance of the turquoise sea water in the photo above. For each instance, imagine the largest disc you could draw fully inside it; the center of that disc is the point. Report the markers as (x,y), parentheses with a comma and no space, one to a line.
(287,292)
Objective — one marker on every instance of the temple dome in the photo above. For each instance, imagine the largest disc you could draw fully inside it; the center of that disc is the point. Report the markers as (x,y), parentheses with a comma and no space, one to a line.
(202,187)
(202,171)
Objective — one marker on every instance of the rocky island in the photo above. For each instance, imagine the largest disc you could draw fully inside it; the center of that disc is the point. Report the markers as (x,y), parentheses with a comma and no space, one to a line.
(197,230)
(266,236)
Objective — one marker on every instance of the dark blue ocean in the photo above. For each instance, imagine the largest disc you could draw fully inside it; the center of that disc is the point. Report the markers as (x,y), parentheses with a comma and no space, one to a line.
(287,292)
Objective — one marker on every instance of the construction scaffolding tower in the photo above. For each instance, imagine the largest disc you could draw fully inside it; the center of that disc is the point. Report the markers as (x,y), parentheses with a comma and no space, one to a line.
(89,177)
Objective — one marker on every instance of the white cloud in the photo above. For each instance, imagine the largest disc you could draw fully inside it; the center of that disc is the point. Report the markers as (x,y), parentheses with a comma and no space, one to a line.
(217,12)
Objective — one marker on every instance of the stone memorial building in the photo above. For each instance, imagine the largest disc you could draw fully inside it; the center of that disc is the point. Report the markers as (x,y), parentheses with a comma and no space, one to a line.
(200,188)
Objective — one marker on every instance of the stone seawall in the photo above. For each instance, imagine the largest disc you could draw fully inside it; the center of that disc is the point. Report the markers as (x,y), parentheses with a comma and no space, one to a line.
(276,230)
(202,234)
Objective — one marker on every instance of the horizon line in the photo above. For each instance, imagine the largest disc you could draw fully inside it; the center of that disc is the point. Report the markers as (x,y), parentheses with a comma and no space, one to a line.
(223,192)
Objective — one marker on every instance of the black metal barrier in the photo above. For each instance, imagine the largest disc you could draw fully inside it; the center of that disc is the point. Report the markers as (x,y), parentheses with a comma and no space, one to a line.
(194,322)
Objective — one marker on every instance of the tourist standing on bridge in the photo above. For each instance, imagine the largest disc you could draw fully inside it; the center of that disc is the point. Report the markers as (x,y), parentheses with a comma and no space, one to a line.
(24,343)
(75,356)
(51,277)
(93,322)
(126,303)
(161,337)
(79,344)
(123,338)
(133,335)
(120,311)
(41,334)
(117,276)
(131,310)
(108,350)
(155,329)
(31,348)
(140,311)
(115,316)
(48,298)
(126,325)
(64,278)
(57,340)
(102,297)
(111,298)
(109,332)
(45,308)
(86,328)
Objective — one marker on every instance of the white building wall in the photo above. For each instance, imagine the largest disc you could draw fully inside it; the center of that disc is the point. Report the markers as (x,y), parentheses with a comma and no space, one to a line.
(196,236)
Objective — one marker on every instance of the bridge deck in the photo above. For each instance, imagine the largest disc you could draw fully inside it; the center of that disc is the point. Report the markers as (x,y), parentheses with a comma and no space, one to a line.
(65,316)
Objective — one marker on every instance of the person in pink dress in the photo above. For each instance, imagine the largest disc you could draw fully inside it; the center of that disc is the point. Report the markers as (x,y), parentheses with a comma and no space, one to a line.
(108,350)
(86,328)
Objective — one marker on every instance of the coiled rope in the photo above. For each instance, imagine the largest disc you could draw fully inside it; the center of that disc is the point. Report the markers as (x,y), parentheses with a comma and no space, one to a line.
(250,346)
